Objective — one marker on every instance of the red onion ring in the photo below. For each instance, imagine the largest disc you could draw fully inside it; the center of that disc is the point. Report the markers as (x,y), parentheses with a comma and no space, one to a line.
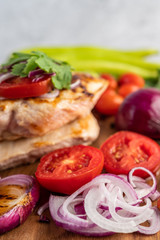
(41,76)
(35,72)
(75,84)
(92,200)
(42,208)
(51,95)
(55,202)
(121,203)
(5,76)
(154,224)
(23,194)
(108,204)
(148,191)
(104,178)
(141,217)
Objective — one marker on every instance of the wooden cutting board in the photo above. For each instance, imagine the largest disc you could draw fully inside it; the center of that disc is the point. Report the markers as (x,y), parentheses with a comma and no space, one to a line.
(32,229)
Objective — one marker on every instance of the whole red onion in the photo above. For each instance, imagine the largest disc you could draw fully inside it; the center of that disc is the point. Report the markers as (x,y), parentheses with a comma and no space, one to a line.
(140,112)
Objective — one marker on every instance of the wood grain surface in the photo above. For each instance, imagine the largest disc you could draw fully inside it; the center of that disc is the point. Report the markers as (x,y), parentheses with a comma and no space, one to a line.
(32,229)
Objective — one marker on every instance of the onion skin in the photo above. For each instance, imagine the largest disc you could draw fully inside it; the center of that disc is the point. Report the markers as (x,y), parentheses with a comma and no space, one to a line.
(140,112)
(18,214)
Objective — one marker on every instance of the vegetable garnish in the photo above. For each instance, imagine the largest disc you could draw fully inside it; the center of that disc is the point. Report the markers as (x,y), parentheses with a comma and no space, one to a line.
(106,205)
(18,196)
(97,59)
(65,170)
(18,87)
(140,112)
(36,65)
(125,150)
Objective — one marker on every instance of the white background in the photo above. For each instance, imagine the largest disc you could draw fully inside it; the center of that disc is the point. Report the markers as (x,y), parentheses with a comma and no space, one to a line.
(124,24)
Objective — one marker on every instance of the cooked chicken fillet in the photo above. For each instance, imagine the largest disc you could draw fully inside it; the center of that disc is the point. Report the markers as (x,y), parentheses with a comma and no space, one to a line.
(82,131)
(36,116)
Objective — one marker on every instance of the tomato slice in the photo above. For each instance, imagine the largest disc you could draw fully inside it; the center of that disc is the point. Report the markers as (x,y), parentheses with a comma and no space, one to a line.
(18,87)
(65,170)
(125,150)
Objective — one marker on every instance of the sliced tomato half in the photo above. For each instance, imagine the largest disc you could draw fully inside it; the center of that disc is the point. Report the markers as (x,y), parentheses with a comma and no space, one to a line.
(65,170)
(18,87)
(125,150)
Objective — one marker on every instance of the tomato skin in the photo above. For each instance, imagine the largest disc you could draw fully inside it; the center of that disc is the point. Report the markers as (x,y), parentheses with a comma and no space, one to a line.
(24,88)
(126,89)
(131,78)
(112,81)
(109,102)
(125,150)
(65,170)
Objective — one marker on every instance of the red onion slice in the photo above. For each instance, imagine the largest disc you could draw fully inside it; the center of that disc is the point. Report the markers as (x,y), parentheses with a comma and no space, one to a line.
(147,192)
(92,200)
(154,224)
(64,209)
(35,72)
(51,95)
(54,203)
(104,178)
(143,187)
(39,77)
(75,84)
(42,208)
(141,217)
(5,76)
(107,204)
(121,203)
(20,194)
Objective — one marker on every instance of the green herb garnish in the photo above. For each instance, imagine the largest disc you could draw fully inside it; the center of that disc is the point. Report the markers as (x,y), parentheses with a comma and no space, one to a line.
(21,64)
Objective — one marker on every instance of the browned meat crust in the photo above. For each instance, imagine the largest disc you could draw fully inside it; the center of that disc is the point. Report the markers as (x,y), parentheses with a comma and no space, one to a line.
(82,131)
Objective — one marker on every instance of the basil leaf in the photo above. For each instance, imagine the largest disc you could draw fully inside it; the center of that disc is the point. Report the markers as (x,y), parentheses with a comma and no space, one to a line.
(20,64)
(18,69)
(56,83)
(31,65)
(45,64)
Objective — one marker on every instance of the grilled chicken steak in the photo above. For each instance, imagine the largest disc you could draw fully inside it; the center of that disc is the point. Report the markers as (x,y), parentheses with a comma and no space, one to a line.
(33,117)
(81,131)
